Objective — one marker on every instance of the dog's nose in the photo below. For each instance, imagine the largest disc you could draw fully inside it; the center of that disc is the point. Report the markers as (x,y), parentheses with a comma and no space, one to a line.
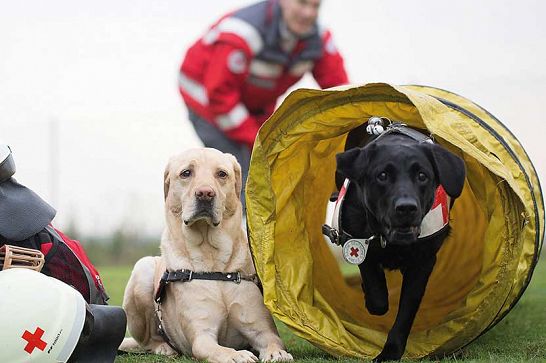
(405,206)
(205,193)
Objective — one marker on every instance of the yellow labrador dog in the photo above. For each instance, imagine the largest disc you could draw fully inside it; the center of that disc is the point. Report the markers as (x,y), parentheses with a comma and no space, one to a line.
(208,303)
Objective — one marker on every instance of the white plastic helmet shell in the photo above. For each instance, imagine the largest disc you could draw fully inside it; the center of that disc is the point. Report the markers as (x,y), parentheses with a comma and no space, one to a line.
(41,317)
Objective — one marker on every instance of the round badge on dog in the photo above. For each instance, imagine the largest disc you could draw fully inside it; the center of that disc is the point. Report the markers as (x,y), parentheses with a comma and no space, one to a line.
(354,251)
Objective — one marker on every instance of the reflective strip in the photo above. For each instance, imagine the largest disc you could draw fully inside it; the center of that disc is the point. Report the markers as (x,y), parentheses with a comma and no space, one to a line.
(239,27)
(433,222)
(265,69)
(438,216)
(262,82)
(233,118)
(300,68)
(196,90)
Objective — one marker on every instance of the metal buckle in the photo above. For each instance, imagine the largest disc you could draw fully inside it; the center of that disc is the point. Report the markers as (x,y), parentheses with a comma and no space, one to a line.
(191,276)
(331,233)
(335,236)
(238,281)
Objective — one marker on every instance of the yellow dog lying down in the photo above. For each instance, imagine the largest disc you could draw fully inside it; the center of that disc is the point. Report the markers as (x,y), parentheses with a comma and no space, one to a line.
(212,316)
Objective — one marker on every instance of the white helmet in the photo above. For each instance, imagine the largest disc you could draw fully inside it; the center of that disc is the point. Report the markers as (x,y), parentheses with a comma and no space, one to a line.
(41,317)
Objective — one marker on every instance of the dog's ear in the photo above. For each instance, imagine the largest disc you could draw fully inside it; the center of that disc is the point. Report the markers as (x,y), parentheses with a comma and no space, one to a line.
(166,181)
(238,176)
(448,167)
(352,163)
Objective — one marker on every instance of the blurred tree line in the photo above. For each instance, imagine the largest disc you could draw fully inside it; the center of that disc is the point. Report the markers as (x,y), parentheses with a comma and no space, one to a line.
(124,247)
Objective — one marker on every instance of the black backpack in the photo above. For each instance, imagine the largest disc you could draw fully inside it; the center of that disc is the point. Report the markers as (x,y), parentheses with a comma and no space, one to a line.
(66,260)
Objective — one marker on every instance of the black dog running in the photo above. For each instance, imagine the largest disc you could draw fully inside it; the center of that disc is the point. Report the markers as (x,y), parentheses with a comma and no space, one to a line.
(398,194)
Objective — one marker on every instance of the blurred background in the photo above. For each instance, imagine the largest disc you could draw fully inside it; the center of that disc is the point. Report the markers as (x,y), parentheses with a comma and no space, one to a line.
(90,106)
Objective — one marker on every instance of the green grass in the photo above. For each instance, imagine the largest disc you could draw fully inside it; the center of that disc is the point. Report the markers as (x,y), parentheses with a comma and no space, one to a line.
(520,337)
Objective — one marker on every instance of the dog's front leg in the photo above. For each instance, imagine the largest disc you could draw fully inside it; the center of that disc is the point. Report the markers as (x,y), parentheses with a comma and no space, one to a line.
(205,347)
(415,279)
(256,325)
(374,286)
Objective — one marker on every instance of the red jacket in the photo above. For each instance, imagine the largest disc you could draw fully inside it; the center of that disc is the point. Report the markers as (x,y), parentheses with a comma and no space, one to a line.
(233,75)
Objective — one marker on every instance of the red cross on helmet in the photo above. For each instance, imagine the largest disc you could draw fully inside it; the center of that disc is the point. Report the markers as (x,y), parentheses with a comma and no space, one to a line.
(46,329)
(45,320)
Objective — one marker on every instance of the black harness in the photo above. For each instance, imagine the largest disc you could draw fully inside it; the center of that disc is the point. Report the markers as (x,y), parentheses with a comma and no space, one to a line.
(187,276)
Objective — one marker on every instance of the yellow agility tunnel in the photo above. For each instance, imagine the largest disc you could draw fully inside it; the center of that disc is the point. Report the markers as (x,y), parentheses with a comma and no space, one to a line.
(482,268)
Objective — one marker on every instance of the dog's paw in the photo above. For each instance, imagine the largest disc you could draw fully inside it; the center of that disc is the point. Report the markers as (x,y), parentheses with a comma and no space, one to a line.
(389,352)
(164,349)
(130,345)
(276,355)
(384,358)
(375,308)
(240,356)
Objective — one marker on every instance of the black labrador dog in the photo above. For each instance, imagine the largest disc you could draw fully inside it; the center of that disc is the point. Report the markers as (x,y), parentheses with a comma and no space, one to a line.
(393,182)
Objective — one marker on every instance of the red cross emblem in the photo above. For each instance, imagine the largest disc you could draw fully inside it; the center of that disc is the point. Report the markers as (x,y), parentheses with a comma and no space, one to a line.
(354,252)
(34,340)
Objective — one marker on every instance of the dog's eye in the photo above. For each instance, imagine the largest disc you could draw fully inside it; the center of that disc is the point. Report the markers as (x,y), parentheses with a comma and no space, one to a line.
(382,177)
(222,174)
(422,177)
(186,173)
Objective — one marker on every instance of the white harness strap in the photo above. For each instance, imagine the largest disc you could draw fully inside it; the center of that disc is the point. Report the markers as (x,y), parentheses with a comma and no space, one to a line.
(336,218)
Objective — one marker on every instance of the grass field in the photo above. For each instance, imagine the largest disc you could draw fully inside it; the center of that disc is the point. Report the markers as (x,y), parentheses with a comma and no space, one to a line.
(520,337)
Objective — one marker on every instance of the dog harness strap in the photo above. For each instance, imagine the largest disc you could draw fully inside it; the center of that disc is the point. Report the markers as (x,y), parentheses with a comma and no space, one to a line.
(161,288)
(160,293)
(160,329)
(401,128)
(188,275)
(166,338)
(336,234)
(408,131)
(219,276)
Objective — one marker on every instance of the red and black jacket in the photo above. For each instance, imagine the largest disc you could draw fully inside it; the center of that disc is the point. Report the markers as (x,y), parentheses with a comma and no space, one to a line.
(234,74)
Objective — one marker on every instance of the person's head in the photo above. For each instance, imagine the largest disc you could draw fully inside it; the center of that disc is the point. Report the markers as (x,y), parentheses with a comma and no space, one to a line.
(300,15)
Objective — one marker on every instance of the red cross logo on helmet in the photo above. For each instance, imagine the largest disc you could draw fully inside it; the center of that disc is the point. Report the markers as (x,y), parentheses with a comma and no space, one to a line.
(34,340)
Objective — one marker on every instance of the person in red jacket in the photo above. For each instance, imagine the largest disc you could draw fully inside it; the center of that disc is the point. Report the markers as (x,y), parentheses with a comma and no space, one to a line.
(230,79)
